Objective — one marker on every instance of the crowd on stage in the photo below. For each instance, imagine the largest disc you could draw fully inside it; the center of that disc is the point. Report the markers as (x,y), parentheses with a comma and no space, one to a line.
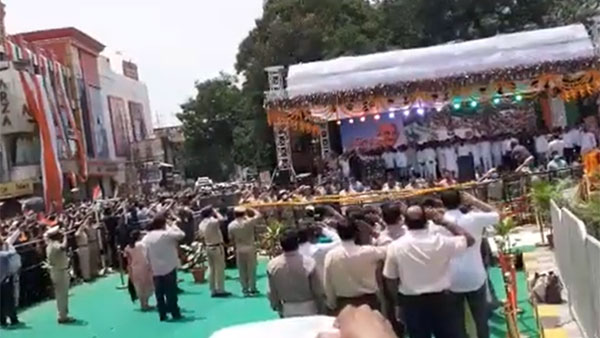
(465,159)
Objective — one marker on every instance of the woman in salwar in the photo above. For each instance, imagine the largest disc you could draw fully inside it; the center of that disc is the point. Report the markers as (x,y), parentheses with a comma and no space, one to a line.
(139,270)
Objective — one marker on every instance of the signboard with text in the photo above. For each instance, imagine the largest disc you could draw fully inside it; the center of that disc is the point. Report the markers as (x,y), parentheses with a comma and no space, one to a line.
(15,189)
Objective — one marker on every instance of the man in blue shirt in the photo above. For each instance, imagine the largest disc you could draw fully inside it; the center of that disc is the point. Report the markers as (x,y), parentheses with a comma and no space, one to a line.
(10,263)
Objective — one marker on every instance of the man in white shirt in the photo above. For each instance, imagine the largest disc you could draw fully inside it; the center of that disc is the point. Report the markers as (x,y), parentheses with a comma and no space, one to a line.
(497,153)
(161,244)
(556,145)
(391,184)
(401,162)
(588,142)
(417,267)
(468,273)
(485,151)
(350,272)
(572,140)
(394,228)
(388,157)
(430,163)
(451,159)
(541,148)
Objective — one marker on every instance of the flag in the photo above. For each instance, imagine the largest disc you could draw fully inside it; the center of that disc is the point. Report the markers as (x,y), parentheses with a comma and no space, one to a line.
(97,193)
(51,170)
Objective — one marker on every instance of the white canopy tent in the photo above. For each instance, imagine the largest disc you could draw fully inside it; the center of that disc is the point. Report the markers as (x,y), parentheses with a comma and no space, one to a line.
(523,49)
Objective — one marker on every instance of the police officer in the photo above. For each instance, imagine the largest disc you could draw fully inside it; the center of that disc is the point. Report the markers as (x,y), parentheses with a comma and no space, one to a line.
(210,230)
(56,252)
(242,234)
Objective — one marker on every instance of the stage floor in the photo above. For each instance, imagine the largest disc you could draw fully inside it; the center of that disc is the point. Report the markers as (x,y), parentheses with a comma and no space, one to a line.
(103,311)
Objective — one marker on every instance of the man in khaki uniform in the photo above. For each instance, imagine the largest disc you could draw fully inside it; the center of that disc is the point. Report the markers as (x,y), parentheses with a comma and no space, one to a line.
(241,233)
(210,230)
(56,253)
(94,247)
(83,252)
(294,286)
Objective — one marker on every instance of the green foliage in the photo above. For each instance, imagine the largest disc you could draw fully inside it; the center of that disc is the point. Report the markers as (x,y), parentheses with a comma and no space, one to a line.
(503,229)
(195,256)
(589,212)
(269,241)
(210,121)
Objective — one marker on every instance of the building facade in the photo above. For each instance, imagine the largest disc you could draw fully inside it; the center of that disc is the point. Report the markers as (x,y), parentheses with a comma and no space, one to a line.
(95,115)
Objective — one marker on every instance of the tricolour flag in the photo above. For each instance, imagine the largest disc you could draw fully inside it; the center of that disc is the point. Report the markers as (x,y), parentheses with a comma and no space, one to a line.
(96,193)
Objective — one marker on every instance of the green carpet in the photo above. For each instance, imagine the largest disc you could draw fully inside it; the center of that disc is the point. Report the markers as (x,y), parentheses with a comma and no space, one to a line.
(104,311)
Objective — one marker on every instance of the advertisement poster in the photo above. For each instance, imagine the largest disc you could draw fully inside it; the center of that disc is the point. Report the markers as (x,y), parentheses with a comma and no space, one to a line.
(372,134)
(100,134)
(118,116)
(136,112)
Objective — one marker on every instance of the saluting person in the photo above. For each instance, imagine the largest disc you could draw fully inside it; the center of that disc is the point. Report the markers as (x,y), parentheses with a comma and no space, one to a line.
(56,252)
(210,229)
(242,233)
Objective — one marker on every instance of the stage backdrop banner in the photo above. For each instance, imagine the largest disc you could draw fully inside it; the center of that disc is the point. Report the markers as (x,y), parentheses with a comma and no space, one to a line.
(371,134)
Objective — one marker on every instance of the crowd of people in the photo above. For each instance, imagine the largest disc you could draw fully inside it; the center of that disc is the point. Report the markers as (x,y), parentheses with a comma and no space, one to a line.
(413,262)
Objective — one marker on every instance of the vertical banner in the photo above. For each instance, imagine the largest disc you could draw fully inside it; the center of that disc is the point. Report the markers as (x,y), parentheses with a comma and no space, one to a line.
(136,112)
(118,116)
(51,170)
(98,123)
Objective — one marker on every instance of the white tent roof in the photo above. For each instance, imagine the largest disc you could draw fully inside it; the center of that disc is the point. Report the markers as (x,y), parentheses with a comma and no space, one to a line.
(501,51)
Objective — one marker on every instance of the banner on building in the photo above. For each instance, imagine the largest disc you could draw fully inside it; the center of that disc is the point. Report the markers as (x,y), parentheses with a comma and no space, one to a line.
(14,114)
(98,124)
(15,189)
(136,112)
(119,121)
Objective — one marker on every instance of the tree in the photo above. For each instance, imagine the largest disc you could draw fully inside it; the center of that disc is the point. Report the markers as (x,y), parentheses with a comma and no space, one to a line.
(292,31)
(210,120)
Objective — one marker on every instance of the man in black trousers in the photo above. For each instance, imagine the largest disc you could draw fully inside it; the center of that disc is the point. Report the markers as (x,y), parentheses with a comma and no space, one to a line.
(161,242)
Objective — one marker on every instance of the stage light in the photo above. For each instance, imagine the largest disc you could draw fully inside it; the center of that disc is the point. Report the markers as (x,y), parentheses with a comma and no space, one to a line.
(339,122)
(439,108)
(377,117)
(496,100)
(406,112)
(519,97)
(473,104)
(391,115)
(351,121)
(456,105)
(362,119)
(204,121)
(421,111)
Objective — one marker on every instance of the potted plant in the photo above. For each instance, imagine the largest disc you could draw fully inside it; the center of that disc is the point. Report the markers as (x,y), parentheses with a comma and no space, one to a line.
(195,256)
(269,243)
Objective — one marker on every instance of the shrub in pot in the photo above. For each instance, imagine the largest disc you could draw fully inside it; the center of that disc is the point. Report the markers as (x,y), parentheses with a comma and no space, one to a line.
(195,255)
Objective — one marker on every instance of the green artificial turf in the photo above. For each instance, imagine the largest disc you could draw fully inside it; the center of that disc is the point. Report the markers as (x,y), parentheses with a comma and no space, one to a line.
(103,311)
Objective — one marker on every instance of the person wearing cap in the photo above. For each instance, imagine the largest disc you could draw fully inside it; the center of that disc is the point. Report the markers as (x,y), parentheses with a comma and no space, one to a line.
(242,234)
(210,230)
(83,251)
(56,252)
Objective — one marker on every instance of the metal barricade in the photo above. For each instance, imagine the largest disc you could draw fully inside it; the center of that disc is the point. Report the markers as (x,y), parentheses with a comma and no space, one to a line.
(578,258)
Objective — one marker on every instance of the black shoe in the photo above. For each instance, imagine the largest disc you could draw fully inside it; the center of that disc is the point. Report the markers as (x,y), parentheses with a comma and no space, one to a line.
(3,324)
(254,292)
(163,318)
(15,322)
(221,294)
(178,317)
(179,291)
